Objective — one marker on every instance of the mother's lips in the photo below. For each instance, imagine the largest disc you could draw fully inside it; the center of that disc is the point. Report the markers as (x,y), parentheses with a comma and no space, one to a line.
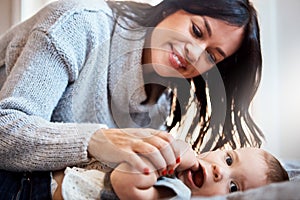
(183,62)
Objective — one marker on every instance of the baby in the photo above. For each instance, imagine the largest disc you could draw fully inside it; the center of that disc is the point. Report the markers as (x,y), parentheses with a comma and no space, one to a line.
(216,173)
(212,173)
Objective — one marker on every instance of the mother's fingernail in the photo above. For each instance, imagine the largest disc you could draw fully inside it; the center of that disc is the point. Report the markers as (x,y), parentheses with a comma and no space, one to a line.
(178,160)
(164,172)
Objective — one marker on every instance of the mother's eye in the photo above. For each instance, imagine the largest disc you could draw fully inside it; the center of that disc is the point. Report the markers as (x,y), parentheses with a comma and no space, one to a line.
(197,31)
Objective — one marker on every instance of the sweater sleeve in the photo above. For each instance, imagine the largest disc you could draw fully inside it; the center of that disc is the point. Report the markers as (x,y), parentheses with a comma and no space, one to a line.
(35,84)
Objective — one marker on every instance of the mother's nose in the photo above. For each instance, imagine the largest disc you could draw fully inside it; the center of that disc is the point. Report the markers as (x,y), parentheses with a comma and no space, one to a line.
(193,51)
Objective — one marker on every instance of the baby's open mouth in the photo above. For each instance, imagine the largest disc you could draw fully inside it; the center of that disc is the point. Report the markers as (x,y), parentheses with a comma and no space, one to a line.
(198,177)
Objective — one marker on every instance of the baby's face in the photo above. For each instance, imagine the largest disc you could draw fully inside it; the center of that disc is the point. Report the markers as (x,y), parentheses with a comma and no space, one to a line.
(223,172)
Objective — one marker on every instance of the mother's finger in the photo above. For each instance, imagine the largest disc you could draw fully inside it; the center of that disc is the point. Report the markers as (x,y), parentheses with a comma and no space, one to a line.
(138,163)
(165,148)
(180,147)
(151,153)
(164,135)
(188,156)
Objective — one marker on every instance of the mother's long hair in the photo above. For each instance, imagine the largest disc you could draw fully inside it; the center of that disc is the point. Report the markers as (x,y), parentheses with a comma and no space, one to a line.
(240,72)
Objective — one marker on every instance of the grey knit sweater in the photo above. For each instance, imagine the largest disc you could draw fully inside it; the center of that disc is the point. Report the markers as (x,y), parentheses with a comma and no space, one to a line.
(64,73)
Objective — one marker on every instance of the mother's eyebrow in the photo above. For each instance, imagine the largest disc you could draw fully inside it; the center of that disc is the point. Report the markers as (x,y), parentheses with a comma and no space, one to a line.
(207,26)
(208,29)
(221,52)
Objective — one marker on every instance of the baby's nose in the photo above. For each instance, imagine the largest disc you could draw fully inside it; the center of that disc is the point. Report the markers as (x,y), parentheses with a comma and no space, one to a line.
(218,172)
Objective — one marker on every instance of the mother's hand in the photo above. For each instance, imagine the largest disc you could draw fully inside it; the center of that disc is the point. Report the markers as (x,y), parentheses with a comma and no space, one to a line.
(113,146)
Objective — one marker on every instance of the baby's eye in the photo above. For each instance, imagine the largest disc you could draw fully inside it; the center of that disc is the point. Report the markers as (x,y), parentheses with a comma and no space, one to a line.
(196,31)
(233,187)
(229,160)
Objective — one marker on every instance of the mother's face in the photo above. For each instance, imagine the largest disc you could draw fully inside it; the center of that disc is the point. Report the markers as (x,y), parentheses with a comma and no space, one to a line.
(186,45)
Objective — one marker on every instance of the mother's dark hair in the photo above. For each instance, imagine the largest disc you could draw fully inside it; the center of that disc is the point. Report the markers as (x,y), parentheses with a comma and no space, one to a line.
(240,72)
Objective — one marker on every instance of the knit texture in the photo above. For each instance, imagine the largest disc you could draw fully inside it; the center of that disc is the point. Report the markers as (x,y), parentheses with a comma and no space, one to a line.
(67,72)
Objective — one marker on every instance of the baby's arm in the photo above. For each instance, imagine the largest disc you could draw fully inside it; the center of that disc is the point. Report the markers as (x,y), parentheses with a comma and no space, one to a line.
(128,183)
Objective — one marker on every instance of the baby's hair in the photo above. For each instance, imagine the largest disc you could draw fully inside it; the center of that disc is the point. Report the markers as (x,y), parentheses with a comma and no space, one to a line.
(276,172)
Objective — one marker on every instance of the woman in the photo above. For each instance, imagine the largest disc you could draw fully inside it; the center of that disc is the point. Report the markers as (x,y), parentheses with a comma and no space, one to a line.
(79,72)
